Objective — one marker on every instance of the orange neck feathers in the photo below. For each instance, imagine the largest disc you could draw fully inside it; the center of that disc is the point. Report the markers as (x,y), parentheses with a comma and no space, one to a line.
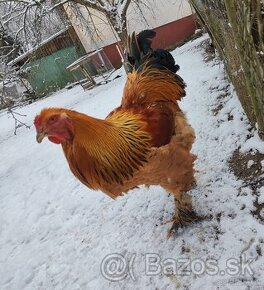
(152,85)
(107,150)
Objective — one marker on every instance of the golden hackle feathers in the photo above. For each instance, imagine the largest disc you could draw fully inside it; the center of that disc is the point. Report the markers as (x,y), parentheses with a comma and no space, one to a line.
(107,151)
(152,85)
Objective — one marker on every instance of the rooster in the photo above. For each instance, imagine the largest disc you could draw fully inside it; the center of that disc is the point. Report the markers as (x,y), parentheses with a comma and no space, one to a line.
(145,141)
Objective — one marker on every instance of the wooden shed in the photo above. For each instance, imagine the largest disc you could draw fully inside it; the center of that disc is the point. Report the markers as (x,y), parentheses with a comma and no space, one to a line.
(45,66)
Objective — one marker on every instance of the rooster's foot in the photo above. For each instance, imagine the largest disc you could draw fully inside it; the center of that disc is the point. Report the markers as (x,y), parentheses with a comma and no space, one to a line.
(183,217)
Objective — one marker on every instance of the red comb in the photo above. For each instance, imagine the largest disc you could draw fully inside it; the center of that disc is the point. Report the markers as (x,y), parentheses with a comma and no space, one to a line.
(37,121)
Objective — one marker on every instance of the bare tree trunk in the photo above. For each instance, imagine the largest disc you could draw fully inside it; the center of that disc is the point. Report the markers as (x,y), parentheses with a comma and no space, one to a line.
(120,31)
(119,22)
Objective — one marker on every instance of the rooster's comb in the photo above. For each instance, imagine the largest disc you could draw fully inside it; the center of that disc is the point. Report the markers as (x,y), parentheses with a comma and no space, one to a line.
(37,121)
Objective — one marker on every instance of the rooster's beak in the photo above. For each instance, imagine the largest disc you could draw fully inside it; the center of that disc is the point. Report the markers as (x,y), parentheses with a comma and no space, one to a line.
(40,136)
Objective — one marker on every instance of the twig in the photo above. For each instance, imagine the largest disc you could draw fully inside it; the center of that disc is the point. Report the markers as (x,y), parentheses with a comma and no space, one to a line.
(18,123)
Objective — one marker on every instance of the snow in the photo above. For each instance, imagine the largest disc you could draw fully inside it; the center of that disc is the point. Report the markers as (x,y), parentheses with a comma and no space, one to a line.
(253,144)
(261,195)
(57,234)
(250,163)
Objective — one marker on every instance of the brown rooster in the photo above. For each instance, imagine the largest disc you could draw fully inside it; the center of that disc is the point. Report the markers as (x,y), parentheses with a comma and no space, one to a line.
(147,140)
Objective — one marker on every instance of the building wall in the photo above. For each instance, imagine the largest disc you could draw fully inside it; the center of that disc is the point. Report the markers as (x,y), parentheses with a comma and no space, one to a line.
(167,35)
(155,13)
(174,32)
(84,23)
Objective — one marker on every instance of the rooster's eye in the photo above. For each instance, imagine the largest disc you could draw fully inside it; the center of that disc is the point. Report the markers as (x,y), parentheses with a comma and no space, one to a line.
(52,119)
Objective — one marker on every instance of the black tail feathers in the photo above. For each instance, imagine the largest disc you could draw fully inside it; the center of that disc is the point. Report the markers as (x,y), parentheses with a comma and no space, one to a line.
(140,53)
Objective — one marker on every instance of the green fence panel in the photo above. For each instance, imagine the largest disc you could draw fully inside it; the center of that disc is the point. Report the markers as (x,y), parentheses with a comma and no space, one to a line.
(48,74)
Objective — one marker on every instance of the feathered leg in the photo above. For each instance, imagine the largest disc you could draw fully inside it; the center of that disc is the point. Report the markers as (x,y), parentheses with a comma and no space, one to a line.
(184,213)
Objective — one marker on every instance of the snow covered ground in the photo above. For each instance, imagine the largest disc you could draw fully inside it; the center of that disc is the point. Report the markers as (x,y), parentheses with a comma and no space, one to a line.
(57,234)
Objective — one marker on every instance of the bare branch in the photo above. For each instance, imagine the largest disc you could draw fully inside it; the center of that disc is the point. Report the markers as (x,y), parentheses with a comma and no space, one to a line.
(94,5)
(18,123)
(125,4)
